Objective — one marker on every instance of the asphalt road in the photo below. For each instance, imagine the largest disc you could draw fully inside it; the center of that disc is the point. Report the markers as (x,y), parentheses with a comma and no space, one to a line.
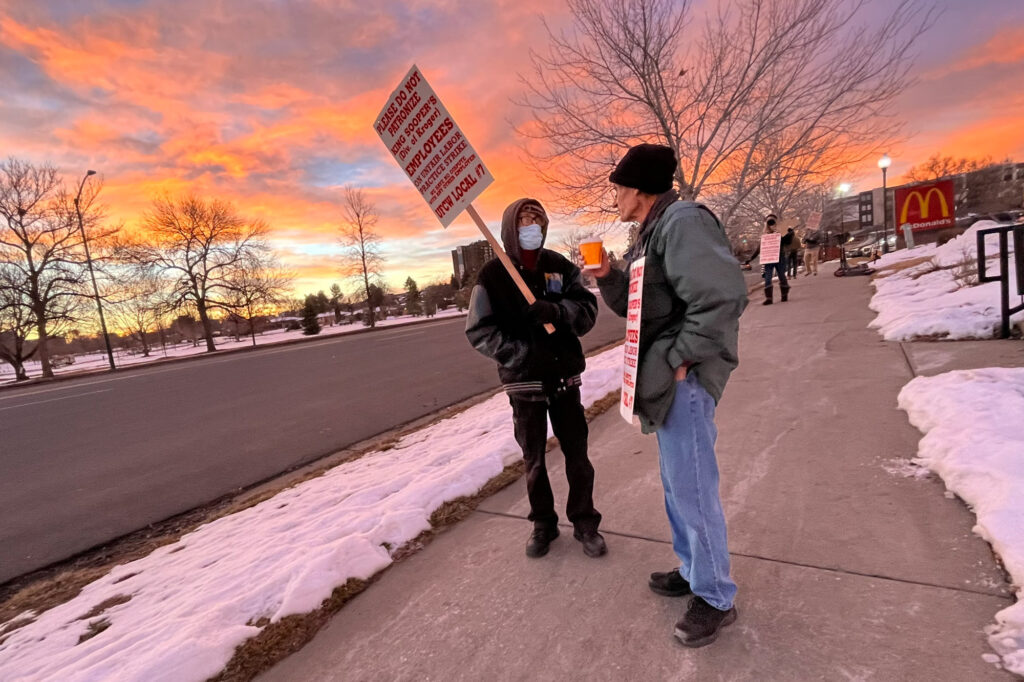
(85,461)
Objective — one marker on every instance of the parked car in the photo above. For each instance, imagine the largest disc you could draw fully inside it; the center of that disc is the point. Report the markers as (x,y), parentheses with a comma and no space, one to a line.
(62,360)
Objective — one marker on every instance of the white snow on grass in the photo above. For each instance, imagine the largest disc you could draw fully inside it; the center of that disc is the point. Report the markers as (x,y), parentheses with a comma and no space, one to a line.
(974,440)
(99,361)
(927,300)
(194,601)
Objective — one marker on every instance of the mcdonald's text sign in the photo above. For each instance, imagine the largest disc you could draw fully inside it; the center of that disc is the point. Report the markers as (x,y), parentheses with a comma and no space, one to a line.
(926,207)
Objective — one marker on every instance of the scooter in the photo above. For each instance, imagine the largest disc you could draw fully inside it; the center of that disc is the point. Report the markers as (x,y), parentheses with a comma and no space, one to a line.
(847,270)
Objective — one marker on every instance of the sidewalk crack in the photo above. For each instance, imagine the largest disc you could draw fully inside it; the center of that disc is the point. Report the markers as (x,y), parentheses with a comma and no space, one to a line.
(830,569)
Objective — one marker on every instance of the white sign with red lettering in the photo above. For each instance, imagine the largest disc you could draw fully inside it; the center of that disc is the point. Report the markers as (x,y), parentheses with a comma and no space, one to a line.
(631,349)
(770,245)
(425,141)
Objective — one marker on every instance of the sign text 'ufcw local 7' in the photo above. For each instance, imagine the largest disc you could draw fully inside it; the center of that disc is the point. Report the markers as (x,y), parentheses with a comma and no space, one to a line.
(429,146)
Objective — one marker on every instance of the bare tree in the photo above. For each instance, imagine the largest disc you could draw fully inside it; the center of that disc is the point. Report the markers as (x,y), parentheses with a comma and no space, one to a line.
(197,244)
(41,241)
(138,303)
(16,323)
(361,257)
(938,166)
(256,283)
(571,240)
(760,84)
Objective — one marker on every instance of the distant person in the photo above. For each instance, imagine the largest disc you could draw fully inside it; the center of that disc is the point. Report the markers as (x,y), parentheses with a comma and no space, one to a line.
(692,298)
(540,372)
(791,249)
(812,242)
(770,269)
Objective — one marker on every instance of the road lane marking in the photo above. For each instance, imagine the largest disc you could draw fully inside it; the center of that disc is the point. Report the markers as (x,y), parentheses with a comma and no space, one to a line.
(147,372)
(52,400)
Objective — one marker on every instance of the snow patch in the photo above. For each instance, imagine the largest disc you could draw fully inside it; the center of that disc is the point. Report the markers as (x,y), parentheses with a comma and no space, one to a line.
(974,441)
(928,299)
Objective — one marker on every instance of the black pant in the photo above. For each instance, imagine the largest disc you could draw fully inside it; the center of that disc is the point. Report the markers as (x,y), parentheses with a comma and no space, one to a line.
(791,263)
(570,426)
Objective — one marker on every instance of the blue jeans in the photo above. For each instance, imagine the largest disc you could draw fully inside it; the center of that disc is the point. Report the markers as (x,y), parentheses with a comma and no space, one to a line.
(777,269)
(689,474)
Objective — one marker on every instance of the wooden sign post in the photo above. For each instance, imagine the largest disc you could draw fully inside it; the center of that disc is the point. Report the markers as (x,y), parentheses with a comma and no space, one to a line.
(441,163)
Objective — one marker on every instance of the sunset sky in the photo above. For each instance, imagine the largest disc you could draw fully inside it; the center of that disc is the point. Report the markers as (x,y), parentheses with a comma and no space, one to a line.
(269,103)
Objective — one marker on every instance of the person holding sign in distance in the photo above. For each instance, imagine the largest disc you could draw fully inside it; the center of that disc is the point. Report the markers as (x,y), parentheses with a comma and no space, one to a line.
(691,296)
(540,372)
(772,262)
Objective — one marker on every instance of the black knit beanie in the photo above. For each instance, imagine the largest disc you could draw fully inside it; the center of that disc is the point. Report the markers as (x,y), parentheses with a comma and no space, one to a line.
(646,167)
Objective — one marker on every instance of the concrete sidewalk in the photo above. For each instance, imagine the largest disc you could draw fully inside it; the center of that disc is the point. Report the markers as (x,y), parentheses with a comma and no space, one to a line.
(845,571)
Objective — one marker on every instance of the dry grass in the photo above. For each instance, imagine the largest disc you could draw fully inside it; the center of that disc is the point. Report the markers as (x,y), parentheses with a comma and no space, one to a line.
(13,625)
(95,628)
(100,608)
(902,265)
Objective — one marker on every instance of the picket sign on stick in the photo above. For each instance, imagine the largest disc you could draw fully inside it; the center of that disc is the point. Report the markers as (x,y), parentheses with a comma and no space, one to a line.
(441,163)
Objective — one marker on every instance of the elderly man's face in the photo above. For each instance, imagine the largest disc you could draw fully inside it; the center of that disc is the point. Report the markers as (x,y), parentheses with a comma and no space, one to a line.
(627,201)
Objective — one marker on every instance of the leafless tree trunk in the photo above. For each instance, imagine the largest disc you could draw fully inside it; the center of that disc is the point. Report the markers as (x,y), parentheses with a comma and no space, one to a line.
(256,283)
(361,258)
(753,86)
(40,241)
(16,323)
(197,244)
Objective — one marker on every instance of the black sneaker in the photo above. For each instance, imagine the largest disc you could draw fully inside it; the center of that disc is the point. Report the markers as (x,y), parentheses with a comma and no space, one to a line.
(702,622)
(670,584)
(593,542)
(540,541)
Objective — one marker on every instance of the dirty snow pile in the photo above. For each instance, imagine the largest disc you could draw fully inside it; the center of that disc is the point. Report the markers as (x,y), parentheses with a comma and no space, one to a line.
(932,299)
(975,442)
(184,608)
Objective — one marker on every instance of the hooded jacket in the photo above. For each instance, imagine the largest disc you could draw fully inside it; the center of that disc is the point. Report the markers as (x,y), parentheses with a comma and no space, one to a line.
(529,359)
(693,296)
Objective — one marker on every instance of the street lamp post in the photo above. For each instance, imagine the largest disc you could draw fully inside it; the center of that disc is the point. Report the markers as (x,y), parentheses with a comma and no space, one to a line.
(884,163)
(843,189)
(92,274)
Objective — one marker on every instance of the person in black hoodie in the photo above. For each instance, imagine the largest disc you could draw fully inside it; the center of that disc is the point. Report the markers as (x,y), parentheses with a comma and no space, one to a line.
(540,372)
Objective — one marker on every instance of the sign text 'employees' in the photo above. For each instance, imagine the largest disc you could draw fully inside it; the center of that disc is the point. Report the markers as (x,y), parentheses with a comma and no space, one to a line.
(429,146)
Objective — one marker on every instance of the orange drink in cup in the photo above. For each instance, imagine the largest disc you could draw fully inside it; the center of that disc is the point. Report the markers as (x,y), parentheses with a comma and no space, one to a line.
(590,249)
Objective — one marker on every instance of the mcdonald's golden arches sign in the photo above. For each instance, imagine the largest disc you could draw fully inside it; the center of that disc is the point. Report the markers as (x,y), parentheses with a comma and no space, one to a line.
(926,207)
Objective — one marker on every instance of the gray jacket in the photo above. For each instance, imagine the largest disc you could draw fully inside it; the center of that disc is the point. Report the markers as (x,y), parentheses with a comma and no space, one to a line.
(693,296)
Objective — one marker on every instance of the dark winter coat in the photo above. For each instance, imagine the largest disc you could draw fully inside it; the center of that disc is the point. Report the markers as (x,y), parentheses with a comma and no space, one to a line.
(498,326)
(692,299)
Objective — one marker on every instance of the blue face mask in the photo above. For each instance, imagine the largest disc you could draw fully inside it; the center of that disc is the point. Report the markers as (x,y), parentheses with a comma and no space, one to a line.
(531,237)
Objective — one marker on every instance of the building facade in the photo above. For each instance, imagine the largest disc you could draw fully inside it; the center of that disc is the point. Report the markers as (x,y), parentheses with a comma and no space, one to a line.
(469,258)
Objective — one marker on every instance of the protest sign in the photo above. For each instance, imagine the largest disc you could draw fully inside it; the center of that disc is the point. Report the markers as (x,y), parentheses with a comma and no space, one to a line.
(813,220)
(423,137)
(631,349)
(770,246)
(435,155)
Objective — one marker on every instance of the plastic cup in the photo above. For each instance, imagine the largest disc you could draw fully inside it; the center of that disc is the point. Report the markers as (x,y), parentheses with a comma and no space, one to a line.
(591,252)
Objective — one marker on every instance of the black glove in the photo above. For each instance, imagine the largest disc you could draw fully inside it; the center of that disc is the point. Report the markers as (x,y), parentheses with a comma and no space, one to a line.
(544,312)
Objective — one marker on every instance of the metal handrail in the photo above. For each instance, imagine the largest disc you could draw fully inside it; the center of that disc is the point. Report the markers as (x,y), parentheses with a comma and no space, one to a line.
(1004,269)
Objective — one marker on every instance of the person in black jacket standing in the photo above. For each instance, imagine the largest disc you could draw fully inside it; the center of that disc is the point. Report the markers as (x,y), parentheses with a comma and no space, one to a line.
(540,372)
